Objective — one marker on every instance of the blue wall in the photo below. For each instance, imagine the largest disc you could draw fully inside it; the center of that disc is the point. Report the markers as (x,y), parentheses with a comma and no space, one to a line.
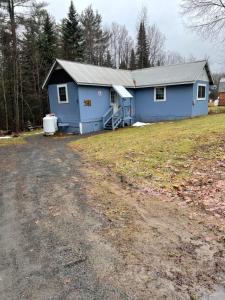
(91,116)
(181,102)
(178,104)
(200,107)
(128,107)
(66,112)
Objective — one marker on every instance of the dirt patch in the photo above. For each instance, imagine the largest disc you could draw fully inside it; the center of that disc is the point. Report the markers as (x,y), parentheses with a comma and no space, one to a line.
(169,250)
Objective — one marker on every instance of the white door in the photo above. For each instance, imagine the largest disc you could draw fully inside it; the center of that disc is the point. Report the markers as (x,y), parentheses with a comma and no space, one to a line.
(114,101)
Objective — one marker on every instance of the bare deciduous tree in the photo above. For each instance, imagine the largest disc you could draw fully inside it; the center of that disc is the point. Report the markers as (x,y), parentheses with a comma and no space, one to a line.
(121,44)
(156,42)
(205,16)
(173,57)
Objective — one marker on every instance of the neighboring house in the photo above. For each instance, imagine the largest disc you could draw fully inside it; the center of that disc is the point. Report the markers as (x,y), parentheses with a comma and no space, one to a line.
(222,92)
(88,98)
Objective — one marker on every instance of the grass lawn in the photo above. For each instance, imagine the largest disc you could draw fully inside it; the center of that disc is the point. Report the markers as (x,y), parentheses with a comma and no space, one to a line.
(163,153)
(216,109)
(19,140)
(12,141)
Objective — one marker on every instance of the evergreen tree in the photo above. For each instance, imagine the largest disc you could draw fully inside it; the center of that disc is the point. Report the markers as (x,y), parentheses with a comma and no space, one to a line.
(123,65)
(108,60)
(48,42)
(33,62)
(95,39)
(72,46)
(142,48)
(132,63)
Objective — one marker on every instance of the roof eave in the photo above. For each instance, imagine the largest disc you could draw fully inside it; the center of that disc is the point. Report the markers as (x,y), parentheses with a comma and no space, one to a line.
(103,85)
(138,86)
(209,73)
(49,74)
(165,84)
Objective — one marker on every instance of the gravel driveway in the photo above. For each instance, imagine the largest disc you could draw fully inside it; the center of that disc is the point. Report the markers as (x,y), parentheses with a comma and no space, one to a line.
(48,245)
(69,231)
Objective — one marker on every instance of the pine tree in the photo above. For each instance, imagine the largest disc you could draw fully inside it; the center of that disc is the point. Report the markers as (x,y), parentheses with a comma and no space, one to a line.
(72,46)
(132,63)
(95,39)
(48,42)
(8,7)
(142,48)
(108,60)
(33,62)
(123,65)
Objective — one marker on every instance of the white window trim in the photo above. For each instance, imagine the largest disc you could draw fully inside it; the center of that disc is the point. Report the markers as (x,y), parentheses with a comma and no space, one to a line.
(201,84)
(67,98)
(160,100)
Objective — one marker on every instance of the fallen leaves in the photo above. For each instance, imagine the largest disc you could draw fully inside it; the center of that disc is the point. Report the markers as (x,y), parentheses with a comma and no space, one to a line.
(206,188)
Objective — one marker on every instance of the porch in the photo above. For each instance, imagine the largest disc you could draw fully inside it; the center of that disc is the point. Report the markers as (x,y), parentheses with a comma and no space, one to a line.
(120,112)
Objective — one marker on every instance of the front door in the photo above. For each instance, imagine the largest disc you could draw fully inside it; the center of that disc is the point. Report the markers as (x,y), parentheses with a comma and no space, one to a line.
(114,101)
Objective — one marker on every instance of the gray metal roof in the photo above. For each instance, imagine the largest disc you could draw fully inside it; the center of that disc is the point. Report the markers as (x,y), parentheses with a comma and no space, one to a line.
(222,85)
(95,75)
(172,74)
(85,74)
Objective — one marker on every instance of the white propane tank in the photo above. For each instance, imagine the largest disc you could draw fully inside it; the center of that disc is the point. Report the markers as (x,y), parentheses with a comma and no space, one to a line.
(50,124)
(56,121)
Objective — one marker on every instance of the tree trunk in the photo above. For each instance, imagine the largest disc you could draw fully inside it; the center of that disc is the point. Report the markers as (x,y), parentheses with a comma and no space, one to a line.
(11,8)
(5,101)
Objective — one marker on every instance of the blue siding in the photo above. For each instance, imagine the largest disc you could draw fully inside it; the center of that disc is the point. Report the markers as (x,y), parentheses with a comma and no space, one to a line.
(178,104)
(91,116)
(181,102)
(200,107)
(66,112)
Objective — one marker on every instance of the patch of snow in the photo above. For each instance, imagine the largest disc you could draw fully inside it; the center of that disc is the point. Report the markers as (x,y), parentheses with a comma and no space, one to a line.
(140,124)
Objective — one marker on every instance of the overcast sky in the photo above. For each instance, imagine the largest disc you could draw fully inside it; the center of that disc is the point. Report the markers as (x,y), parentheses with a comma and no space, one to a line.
(164,13)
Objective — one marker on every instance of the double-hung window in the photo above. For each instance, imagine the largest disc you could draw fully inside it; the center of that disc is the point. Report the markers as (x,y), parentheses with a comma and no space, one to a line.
(201,92)
(160,94)
(62,93)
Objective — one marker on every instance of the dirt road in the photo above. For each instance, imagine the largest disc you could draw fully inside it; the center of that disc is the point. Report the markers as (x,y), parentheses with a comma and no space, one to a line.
(63,235)
(48,248)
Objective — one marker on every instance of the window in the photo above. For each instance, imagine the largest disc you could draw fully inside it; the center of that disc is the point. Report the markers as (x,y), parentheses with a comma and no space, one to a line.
(160,94)
(62,93)
(201,92)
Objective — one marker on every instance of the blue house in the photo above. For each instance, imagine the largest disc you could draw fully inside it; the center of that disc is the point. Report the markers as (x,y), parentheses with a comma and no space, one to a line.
(87,98)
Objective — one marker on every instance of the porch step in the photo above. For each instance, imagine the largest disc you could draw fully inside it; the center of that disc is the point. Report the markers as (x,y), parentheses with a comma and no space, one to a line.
(112,120)
(108,126)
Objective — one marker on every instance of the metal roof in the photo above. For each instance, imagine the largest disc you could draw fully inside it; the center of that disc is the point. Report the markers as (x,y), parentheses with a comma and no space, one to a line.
(95,75)
(172,74)
(84,74)
(122,92)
